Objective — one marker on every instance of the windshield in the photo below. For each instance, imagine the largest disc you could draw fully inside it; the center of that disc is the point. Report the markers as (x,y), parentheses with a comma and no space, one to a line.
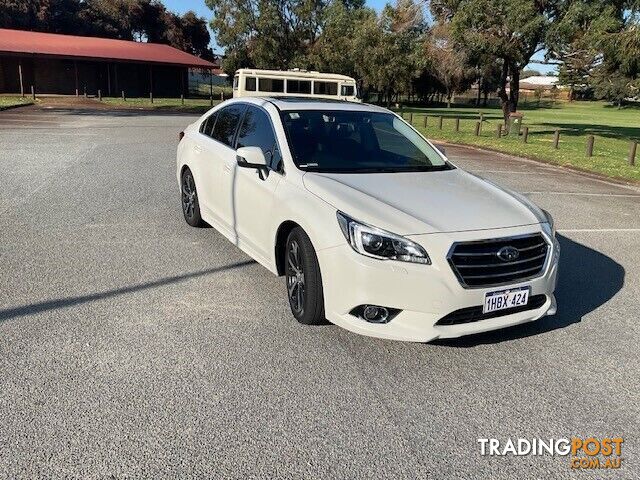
(340,141)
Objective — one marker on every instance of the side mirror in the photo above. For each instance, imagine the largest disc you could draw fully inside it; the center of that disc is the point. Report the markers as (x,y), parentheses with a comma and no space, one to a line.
(251,157)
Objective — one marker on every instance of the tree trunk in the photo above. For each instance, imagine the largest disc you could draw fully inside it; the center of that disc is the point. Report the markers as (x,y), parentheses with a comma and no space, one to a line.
(479,91)
(485,101)
(514,87)
(502,93)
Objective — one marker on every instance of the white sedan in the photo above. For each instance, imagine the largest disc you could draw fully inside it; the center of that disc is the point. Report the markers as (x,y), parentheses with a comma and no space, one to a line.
(372,227)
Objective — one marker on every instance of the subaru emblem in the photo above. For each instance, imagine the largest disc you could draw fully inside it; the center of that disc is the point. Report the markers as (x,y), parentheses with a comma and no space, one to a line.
(508,253)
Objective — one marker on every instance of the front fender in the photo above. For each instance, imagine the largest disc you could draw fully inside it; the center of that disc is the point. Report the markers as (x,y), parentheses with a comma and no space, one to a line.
(315,216)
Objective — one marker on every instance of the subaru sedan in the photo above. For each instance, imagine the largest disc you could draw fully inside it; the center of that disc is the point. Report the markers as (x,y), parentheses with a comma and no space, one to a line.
(371,226)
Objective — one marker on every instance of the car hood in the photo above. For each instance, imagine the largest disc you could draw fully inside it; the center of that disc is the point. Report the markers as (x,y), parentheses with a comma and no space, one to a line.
(423,202)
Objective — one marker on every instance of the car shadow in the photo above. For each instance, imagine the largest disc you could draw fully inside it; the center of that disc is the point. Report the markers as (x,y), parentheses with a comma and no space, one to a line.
(587,279)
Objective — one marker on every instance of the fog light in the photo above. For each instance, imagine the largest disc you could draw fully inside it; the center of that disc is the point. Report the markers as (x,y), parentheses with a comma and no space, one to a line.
(375,313)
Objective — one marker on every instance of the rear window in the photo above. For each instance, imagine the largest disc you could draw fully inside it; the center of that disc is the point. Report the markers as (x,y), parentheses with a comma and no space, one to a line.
(271,84)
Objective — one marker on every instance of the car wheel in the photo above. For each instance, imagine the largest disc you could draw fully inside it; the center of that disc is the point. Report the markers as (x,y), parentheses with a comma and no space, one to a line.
(190,205)
(304,283)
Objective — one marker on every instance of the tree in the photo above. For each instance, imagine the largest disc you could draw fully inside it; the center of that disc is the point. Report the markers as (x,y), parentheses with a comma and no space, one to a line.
(18,14)
(617,77)
(488,75)
(141,20)
(265,33)
(391,49)
(103,18)
(336,50)
(572,39)
(449,63)
(509,31)
(196,35)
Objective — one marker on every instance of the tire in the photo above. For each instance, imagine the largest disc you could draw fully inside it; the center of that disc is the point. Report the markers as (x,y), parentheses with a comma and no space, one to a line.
(189,197)
(303,279)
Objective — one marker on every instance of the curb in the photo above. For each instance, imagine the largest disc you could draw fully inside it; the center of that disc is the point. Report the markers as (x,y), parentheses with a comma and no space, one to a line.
(571,168)
(11,107)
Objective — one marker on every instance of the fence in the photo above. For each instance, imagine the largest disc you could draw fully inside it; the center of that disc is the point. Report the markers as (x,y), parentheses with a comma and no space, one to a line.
(203,84)
(528,98)
(512,131)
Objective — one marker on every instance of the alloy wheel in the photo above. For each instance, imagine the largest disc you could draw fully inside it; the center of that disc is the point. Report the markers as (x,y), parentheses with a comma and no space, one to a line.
(188,195)
(295,278)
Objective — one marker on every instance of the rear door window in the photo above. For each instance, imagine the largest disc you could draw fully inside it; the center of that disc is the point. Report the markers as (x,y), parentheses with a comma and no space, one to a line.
(207,126)
(227,123)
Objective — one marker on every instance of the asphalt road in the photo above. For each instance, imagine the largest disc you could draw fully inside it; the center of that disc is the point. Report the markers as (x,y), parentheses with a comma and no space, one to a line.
(132,345)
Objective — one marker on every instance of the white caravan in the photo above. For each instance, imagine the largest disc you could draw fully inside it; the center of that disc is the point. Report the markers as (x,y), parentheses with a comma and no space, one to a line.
(293,83)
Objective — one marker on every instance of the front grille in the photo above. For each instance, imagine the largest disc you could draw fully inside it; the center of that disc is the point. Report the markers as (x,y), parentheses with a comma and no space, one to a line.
(474,314)
(476,264)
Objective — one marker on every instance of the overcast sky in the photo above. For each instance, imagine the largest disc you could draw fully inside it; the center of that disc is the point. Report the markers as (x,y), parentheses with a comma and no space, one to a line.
(198,6)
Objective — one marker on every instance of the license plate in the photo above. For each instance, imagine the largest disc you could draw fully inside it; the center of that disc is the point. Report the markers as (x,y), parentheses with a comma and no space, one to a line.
(503,299)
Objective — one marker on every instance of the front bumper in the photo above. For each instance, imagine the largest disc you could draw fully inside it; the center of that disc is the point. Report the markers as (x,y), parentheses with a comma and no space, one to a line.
(423,293)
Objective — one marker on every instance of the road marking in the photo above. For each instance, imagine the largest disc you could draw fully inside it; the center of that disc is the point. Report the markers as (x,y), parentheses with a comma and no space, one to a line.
(586,194)
(597,230)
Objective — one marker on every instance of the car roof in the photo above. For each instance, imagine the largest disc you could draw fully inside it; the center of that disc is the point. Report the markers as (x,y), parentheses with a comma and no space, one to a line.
(307,103)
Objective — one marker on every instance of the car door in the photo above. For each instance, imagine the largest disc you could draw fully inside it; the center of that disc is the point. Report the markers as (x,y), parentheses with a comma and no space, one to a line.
(219,158)
(203,165)
(253,191)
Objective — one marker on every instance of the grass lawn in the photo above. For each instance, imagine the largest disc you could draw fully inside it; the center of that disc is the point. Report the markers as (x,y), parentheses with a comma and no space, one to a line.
(203,89)
(613,130)
(7,102)
(190,104)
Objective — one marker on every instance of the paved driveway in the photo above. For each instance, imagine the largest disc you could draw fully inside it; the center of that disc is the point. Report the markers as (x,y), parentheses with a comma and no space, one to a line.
(132,345)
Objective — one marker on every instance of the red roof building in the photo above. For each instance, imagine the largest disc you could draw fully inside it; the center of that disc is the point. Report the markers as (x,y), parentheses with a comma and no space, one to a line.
(69,64)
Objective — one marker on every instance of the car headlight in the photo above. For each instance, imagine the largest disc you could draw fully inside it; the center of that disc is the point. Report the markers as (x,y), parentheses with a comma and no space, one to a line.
(550,221)
(377,243)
